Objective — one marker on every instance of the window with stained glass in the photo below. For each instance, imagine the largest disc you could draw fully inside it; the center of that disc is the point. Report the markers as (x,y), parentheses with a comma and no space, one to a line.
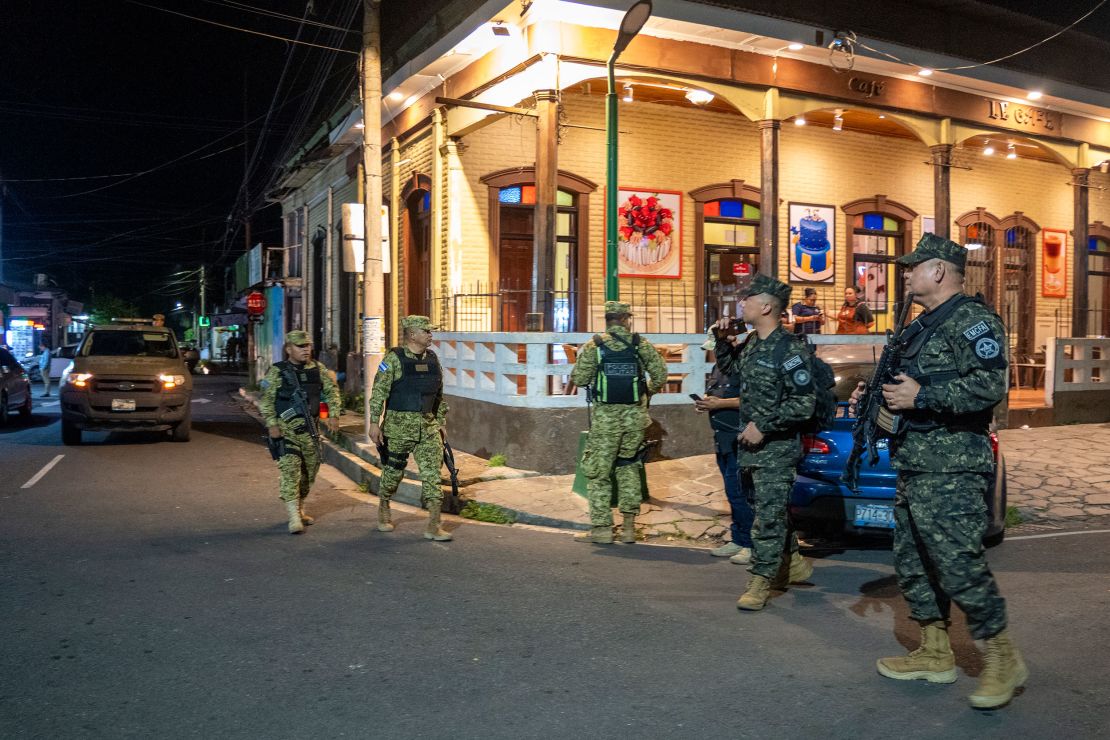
(1098,286)
(877,241)
(730,243)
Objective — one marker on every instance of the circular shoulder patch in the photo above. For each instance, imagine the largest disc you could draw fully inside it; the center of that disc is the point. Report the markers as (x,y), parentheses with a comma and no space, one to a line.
(801,377)
(987,348)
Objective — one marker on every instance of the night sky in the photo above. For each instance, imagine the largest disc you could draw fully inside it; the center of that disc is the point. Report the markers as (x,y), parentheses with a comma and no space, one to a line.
(111,87)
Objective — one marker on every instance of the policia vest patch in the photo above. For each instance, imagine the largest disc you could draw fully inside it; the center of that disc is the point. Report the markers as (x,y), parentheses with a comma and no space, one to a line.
(420,385)
(620,377)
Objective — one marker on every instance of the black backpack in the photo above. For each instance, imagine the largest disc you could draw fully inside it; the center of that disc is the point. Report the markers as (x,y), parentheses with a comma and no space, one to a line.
(824,381)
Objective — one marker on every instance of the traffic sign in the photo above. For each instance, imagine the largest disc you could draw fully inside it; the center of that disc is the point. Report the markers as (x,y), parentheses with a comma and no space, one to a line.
(256,303)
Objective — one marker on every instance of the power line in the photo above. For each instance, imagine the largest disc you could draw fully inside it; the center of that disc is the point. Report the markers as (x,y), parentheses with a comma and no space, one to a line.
(275,14)
(239,28)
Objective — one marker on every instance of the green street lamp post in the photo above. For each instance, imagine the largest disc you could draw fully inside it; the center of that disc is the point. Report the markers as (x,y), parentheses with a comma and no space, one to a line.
(631,24)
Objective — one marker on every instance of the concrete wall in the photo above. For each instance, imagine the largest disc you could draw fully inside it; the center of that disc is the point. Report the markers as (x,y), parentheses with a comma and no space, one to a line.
(546,440)
(1081,407)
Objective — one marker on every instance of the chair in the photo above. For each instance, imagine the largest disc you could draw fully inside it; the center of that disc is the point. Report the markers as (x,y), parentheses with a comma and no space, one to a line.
(1018,363)
(569,389)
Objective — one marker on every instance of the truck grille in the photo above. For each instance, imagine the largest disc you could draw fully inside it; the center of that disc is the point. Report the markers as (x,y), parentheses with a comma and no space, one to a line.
(126,385)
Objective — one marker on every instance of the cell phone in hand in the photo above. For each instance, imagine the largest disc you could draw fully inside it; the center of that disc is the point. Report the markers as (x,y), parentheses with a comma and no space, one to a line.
(695,396)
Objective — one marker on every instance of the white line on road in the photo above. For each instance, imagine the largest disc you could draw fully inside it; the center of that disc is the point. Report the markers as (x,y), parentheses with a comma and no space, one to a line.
(45,469)
(202,400)
(1056,534)
(49,403)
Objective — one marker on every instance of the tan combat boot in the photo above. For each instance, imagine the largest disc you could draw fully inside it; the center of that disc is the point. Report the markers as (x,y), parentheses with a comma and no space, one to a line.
(304,517)
(755,598)
(932,661)
(1004,672)
(628,529)
(596,535)
(293,508)
(434,531)
(385,518)
(797,571)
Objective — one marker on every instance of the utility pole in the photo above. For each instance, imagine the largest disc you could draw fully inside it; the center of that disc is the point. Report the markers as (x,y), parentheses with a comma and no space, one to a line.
(200,329)
(373,287)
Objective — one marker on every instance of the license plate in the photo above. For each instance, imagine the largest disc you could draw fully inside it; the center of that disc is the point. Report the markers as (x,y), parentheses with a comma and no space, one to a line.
(123,404)
(875,515)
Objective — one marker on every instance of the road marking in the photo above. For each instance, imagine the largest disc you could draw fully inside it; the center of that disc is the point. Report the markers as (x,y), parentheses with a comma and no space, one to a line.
(45,469)
(49,403)
(201,400)
(1056,534)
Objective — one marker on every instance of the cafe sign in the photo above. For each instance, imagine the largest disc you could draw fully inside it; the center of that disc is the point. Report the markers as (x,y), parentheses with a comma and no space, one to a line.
(1023,116)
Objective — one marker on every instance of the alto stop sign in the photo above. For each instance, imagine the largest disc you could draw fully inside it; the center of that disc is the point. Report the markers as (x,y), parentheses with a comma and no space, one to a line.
(741,268)
(256,303)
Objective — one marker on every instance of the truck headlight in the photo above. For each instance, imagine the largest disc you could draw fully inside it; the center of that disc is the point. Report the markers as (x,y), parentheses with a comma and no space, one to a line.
(81,380)
(171,381)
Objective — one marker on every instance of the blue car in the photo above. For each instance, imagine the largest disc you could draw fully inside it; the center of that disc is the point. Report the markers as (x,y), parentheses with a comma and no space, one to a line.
(821,503)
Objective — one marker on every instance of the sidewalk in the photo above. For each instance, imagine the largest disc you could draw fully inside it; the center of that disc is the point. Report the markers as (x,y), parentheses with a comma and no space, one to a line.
(1055,475)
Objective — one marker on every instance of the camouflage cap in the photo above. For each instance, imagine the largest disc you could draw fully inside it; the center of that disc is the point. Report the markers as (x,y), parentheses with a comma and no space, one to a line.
(616,307)
(764,284)
(417,322)
(932,246)
(298,337)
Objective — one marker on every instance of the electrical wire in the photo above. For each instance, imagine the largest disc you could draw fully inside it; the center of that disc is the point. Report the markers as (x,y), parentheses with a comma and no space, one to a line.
(240,28)
(275,14)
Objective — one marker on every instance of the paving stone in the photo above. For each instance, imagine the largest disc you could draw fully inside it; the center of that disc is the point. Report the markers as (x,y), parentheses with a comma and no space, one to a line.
(1098,498)
(693,528)
(1097,511)
(1066,511)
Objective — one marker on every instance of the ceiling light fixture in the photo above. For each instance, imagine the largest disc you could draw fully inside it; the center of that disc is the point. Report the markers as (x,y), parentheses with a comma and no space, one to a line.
(796,46)
(396,95)
(988,150)
(800,121)
(924,72)
(838,121)
(882,115)
(627,94)
(700,97)
(1010,153)
(1034,95)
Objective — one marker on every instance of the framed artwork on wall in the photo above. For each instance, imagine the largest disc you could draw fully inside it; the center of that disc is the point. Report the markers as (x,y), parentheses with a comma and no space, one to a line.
(1054,263)
(649,233)
(812,243)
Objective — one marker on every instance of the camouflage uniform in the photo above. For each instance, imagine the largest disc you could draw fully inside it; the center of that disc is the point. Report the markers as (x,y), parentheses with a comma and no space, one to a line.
(778,397)
(301,462)
(617,429)
(407,432)
(944,472)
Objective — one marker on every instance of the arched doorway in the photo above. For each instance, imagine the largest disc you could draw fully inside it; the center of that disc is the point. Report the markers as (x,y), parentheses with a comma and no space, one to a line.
(1017,283)
(977,232)
(726,237)
(1098,280)
(416,266)
(881,233)
(512,207)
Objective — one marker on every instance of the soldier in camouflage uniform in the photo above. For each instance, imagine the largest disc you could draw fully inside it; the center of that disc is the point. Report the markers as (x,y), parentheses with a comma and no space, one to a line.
(953,375)
(408,388)
(777,396)
(301,459)
(613,365)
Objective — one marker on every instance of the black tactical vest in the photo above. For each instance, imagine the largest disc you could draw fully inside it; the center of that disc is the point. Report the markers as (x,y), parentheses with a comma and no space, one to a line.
(307,378)
(724,386)
(620,378)
(420,385)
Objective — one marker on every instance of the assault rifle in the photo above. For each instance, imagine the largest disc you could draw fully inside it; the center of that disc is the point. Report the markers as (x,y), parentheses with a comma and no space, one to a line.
(299,406)
(873,420)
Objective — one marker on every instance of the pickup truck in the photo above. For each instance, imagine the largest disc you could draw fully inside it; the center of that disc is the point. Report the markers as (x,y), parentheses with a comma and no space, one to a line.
(127,378)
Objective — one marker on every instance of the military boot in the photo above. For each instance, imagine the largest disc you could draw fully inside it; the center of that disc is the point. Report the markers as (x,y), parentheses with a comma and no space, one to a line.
(628,529)
(1004,672)
(434,531)
(796,570)
(932,661)
(385,518)
(755,598)
(596,535)
(296,526)
(304,517)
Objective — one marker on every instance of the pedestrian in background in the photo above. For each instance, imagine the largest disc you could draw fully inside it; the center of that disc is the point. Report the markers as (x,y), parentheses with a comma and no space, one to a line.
(408,415)
(290,422)
(44,366)
(953,374)
(777,397)
(806,316)
(722,402)
(854,316)
(614,364)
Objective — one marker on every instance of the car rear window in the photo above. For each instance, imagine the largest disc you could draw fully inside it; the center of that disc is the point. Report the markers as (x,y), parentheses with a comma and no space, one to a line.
(130,343)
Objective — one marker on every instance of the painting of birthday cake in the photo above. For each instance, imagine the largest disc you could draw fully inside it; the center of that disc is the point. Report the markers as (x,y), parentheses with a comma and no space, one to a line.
(811,245)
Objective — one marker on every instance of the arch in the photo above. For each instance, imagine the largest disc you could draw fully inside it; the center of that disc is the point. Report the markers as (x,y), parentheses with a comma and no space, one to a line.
(1061,153)
(416,181)
(1098,230)
(979,216)
(734,190)
(924,130)
(1019,220)
(879,204)
(566,181)
(882,287)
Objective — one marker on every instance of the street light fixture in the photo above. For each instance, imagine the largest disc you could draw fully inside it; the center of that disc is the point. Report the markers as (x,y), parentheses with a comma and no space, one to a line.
(631,24)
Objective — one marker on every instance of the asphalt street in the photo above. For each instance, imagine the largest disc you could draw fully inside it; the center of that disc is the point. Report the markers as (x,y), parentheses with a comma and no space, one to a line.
(150,589)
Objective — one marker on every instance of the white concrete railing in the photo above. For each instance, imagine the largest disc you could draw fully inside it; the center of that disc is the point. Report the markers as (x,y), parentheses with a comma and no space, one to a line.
(1076,364)
(532,369)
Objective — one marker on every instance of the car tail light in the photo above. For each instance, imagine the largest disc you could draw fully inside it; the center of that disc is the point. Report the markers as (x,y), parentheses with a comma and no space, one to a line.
(814,445)
(323,410)
(994,444)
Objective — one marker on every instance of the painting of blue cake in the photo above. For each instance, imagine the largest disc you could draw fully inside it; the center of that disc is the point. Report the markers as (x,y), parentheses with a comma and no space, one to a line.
(811,247)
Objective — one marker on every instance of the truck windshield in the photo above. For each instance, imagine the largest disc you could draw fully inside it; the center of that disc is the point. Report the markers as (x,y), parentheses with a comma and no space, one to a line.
(130,343)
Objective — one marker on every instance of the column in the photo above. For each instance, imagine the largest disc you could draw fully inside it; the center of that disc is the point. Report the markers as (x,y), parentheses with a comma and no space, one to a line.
(942,189)
(1081,180)
(769,199)
(547,184)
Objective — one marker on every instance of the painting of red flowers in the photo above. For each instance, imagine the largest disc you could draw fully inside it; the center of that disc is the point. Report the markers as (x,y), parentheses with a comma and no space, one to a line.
(649,228)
